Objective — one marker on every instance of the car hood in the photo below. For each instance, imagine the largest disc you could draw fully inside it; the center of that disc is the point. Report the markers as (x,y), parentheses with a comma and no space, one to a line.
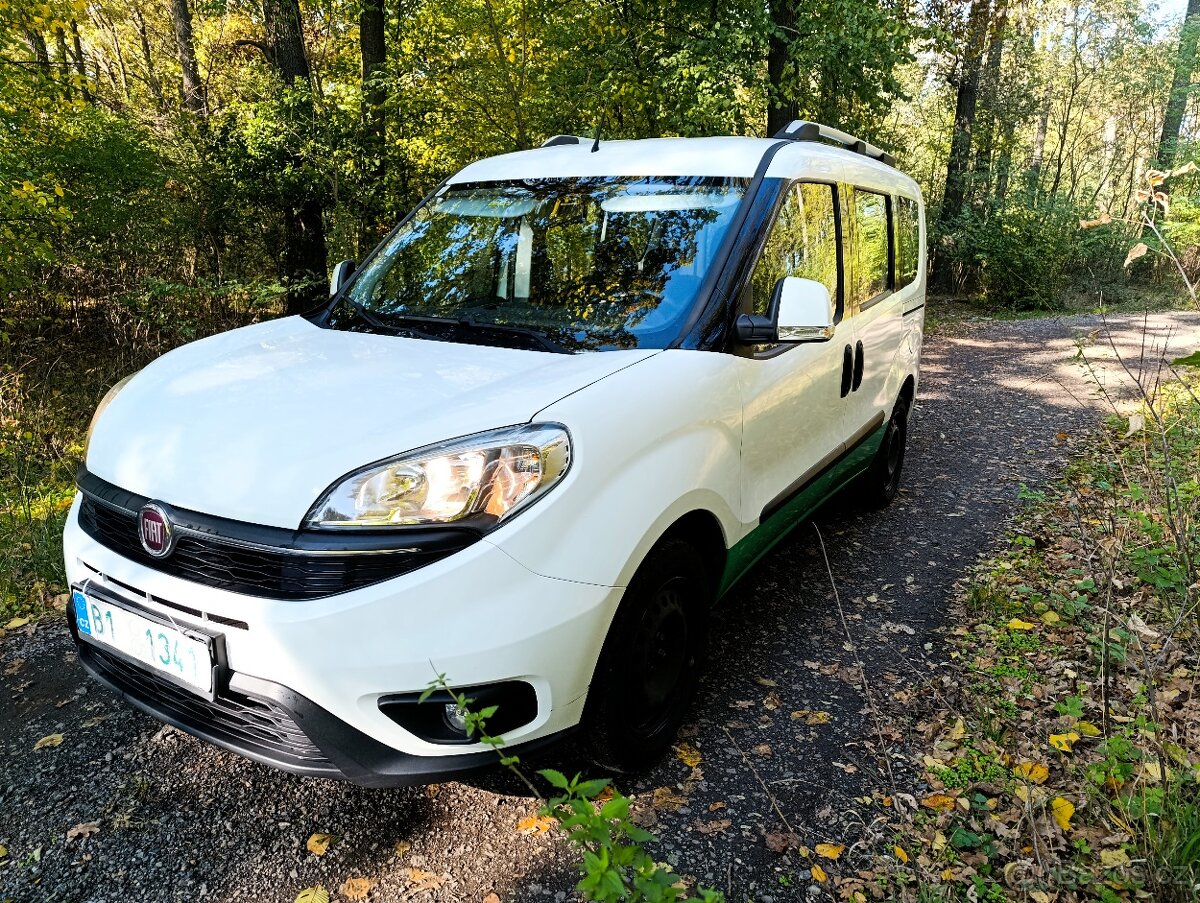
(256,423)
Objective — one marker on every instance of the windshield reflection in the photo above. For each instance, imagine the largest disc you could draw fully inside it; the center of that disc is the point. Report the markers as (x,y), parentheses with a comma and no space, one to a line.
(561,264)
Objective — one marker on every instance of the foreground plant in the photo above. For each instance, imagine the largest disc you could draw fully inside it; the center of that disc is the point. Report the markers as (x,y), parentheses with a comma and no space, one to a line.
(614,863)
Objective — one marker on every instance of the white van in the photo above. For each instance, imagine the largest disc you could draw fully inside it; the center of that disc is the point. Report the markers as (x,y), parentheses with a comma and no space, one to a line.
(552,419)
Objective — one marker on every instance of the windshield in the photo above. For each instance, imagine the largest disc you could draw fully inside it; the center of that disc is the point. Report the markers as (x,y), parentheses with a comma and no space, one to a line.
(577,264)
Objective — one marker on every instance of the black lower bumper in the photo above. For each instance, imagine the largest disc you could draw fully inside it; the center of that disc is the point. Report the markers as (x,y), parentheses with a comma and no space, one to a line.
(272,724)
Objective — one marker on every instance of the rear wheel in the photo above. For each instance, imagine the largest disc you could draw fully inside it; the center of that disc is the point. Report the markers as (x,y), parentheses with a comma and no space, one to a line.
(651,661)
(880,485)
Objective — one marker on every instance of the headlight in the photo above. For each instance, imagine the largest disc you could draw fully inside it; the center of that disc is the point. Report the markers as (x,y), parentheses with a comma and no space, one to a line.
(104,403)
(480,479)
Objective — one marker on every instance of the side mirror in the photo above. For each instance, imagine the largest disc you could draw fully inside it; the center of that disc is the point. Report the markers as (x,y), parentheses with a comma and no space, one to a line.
(340,276)
(803,310)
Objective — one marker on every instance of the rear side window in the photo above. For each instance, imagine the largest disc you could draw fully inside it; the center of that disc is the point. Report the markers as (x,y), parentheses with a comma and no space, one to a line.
(802,242)
(908,241)
(870,240)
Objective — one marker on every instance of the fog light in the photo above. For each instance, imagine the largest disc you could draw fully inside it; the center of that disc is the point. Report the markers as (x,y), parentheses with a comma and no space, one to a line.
(456,717)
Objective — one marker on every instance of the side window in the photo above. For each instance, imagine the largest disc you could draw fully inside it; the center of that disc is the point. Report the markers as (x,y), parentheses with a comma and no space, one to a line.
(869,246)
(908,241)
(803,242)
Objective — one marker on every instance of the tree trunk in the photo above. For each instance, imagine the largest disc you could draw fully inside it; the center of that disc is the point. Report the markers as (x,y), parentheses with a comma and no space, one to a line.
(192,91)
(1181,86)
(37,46)
(80,62)
(955,193)
(304,258)
(372,37)
(1033,174)
(781,108)
(988,95)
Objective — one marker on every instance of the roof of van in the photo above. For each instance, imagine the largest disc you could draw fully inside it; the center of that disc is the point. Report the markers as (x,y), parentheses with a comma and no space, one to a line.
(720,157)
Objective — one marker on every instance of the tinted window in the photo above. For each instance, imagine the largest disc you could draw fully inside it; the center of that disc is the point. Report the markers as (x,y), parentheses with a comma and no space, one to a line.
(803,242)
(908,241)
(869,246)
(593,263)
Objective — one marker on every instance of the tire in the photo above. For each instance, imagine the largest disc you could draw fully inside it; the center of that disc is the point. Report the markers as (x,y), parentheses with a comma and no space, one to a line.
(880,485)
(651,660)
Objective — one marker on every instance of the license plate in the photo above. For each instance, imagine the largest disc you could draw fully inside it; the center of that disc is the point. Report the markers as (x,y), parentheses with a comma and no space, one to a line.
(160,647)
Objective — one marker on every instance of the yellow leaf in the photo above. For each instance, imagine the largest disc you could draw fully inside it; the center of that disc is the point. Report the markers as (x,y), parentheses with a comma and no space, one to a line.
(1050,617)
(939,841)
(1064,742)
(1018,624)
(316,894)
(900,854)
(830,850)
(938,802)
(318,844)
(356,888)
(1039,896)
(817,718)
(957,733)
(1062,810)
(1021,792)
(1033,772)
(49,741)
(668,799)
(15,623)
(425,880)
(1152,772)
(1112,859)
(818,874)
(534,824)
(3,851)
(688,755)
(947,874)
(402,847)
(1087,728)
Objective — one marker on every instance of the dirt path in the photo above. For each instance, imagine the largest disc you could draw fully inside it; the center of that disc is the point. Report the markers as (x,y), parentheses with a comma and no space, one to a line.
(1001,404)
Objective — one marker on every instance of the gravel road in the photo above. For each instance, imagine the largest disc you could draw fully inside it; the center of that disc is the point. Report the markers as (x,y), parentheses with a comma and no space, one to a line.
(1001,404)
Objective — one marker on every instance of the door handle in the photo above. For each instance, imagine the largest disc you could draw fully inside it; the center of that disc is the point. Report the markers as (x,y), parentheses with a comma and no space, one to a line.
(847,370)
(858,367)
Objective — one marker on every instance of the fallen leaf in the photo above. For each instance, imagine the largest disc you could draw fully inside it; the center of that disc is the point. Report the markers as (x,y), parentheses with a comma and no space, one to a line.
(958,733)
(1050,617)
(765,682)
(667,799)
(318,844)
(778,842)
(1152,772)
(938,802)
(762,749)
(719,804)
(356,888)
(1033,772)
(423,880)
(1018,624)
(49,741)
(534,824)
(1112,859)
(714,827)
(1064,742)
(818,874)
(830,850)
(1087,728)
(492,897)
(771,702)
(83,829)
(688,755)
(402,847)
(900,854)
(15,623)
(316,894)
(14,666)
(1062,810)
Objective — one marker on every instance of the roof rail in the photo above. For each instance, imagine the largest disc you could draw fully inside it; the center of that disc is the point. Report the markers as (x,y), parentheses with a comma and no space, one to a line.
(801,130)
(559,140)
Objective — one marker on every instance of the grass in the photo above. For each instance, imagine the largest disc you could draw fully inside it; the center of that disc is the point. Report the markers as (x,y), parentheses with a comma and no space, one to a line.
(57,359)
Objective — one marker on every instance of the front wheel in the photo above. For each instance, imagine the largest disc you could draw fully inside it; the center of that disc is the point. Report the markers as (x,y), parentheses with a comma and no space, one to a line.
(880,485)
(651,661)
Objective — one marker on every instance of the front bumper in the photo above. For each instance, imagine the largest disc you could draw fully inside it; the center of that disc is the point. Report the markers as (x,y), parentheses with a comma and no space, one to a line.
(305,677)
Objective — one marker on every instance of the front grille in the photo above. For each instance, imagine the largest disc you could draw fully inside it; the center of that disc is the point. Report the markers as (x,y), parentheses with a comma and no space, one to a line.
(249,724)
(256,571)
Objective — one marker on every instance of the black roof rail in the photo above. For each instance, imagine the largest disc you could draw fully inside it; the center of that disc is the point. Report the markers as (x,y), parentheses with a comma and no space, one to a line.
(801,130)
(559,140)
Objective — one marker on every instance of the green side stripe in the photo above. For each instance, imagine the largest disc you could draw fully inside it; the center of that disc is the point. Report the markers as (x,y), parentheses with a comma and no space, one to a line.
(767,534)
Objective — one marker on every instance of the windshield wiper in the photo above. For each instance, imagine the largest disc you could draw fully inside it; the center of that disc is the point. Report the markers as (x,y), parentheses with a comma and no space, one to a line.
(547,343)
(395,325)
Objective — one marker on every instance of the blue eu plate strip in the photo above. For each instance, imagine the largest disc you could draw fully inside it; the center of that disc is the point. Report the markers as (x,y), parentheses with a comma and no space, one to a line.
(81,612)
